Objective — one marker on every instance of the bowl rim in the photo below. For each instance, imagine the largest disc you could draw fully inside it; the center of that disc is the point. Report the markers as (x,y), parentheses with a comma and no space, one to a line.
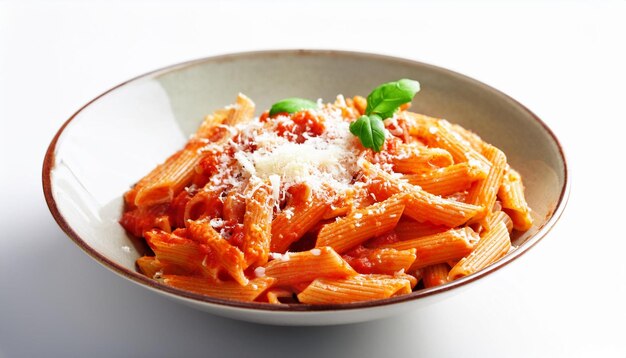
(138,278)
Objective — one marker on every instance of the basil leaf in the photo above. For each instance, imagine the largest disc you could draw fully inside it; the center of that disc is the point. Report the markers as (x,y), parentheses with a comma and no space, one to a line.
(362,128)
(378,132)
(370,130)
(292,105)
(387,98)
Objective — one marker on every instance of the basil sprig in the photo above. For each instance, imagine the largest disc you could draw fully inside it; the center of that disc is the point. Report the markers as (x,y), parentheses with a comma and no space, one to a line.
(291,105)
(382,103)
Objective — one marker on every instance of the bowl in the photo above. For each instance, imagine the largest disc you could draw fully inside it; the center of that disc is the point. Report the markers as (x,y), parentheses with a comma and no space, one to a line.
(116,138)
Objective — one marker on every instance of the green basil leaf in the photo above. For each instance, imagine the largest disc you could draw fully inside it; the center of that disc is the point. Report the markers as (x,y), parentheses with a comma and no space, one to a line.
(370,130)
(292,105)
(378,132)
(387,98)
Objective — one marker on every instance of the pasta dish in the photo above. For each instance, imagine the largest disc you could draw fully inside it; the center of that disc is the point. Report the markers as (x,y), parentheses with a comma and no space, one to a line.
(325,203)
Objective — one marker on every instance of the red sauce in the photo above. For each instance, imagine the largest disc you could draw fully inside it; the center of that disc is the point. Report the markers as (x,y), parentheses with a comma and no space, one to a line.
(210,206)
(299,124)
(138,220)
(237,236)
(176,210)
(359,260)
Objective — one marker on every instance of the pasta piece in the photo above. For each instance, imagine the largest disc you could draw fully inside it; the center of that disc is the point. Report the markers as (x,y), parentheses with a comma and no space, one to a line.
(205,204)
(211,127)
(306,266)
(354,289)
(447,180)
(498,216)
(360,103)
(438,248)
(513,201)
(470,137)
(354,200)
(361,225)
(418,124)
(234,206)
(347,108)
(241,112)
(227,289)
(181,255)
(410,229)
(257,223)
(149,265)
(435,275)
(420,205)
(442,135)
(380,260)
(274,295)
(413,279)
(423,206)
(522,221)
(228,256)
(491,247)
(167,180)
(483,192)
(153,268)
(293,222)
(415,159)
(139,220)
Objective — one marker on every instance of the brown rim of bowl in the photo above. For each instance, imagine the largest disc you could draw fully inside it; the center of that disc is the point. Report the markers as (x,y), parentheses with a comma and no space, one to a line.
(143,280)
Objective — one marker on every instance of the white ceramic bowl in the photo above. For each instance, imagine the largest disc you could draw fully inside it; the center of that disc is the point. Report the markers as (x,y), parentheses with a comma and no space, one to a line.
(122,134)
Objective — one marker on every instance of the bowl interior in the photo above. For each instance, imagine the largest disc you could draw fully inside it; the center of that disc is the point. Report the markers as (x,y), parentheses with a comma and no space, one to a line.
(117,138)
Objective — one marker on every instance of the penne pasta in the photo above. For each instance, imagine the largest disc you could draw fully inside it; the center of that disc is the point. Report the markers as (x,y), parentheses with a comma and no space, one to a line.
(435,275)
(361,225)
(205,204)
(229,257)
(483,192)
(275,294)
(417,159)
(292,268)
(442,135)
(180,255)
(380,260)
(438,248)
(257,223)
(241,112)
(498,216)
(447,180)
(354,289)
(211,127)
(420,205)
(229,290)
(410,229)
(149,266)
(167,180)
(293,222)
(139,220)
(360,103)
(491,247)
(418,124)
(511,192)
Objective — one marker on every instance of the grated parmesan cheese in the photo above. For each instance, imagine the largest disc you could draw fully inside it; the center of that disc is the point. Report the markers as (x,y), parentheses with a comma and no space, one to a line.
(323,162)
(259,271)
(280,257)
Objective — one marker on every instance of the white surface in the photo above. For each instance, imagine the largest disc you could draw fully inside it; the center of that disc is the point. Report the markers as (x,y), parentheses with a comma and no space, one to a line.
(564,61)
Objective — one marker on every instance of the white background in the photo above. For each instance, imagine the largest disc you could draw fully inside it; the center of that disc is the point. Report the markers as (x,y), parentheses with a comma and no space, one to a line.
(565,61)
